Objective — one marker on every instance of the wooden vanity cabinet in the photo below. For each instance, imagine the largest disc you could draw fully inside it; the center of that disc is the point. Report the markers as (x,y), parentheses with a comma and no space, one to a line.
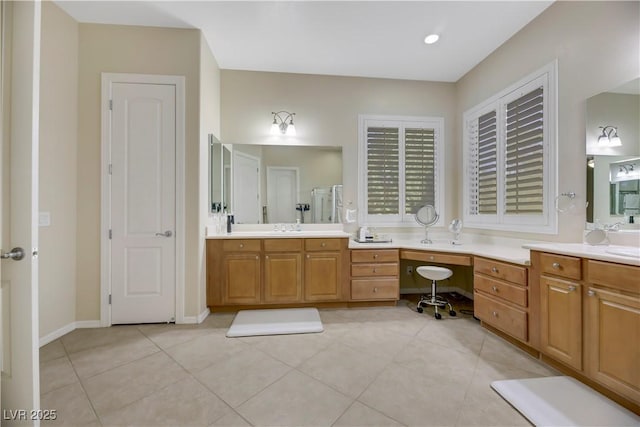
(561,308)
(501,296)
(242,272)
(375,274)
(323,269)
(276,271)
(283,270)
(612,326)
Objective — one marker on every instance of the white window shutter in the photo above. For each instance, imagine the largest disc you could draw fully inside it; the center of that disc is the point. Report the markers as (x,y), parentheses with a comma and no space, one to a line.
(383,172)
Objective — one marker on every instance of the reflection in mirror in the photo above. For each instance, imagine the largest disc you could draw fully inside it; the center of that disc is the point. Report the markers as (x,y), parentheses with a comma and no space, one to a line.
(293,183)
(215,174)
(612,192)
(226,177)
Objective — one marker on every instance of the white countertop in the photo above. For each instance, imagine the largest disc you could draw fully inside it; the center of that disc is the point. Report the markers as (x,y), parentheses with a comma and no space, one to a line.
(280,234)
(503,249)
(502,252)
(583,250)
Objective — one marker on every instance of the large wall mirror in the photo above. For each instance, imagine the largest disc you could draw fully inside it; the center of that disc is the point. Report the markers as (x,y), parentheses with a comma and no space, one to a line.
(274,184)
(613,171)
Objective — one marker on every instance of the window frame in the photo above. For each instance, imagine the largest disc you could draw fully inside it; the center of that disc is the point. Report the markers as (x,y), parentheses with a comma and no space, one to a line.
(402,219)
(547,222)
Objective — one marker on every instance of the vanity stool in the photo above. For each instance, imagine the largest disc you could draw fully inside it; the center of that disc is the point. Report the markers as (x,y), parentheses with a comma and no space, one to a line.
(434,274)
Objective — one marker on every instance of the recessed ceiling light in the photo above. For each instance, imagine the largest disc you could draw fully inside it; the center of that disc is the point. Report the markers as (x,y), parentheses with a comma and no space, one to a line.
(431,38)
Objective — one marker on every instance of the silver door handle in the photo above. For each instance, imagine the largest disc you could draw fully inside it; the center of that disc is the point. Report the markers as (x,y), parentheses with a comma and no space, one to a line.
(16,254)
(167,233)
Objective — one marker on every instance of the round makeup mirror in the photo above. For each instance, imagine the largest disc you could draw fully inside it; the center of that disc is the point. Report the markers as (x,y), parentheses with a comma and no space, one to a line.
(427,216)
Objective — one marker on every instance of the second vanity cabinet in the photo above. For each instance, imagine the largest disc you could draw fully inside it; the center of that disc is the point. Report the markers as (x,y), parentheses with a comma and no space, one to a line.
(590,319)
(561,308)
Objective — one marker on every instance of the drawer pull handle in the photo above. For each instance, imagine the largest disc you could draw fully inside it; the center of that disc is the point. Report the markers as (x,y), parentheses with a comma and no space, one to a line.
(572,288)
(308,256)
(431,258)
(323,244)
(257,257)
(494,288)
(591,293)
(495,314)
(375,256)
(556,265)
(494,270)
(375,290)
(374,270)
(266,257)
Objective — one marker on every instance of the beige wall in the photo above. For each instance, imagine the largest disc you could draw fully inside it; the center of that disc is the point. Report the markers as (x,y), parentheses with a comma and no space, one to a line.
(142,50)
(57,180)
(327,109)
(209,123)
(590,61)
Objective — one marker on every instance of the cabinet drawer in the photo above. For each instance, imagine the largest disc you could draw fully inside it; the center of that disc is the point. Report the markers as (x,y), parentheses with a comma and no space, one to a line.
(322,244)
(501,270)
(500,289)
(241,245)
(375,255)
(623,277)
(367,289)
(561,265)
(388,269)
(506,318)
(436,257)
(283,245)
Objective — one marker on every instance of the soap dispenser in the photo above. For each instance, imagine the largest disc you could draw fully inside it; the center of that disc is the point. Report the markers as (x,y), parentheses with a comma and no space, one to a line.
(229,222)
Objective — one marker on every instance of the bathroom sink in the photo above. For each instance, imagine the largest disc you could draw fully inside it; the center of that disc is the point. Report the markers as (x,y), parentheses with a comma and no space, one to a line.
(629,252)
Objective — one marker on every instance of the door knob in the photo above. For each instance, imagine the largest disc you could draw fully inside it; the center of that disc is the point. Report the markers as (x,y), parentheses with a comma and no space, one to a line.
(167,233)
(16,254)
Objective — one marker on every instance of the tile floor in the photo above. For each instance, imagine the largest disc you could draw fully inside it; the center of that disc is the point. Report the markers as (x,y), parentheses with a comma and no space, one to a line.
(370,367)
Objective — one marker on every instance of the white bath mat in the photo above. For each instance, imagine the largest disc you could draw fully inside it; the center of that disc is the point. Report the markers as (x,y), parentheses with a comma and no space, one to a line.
(275,322)
(563,401)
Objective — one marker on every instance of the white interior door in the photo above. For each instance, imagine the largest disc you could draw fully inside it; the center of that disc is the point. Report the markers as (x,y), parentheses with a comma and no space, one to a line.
(19,206)
(246,188)
(143,203)
(282,194)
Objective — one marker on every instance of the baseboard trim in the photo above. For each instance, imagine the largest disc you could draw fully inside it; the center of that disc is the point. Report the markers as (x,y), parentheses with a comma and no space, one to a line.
(195,319)
(52,336)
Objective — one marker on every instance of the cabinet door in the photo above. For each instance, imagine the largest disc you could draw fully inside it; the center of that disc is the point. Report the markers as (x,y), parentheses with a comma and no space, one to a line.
(322,276)
(561,320)
(613,341)
(241,279)
(283,277)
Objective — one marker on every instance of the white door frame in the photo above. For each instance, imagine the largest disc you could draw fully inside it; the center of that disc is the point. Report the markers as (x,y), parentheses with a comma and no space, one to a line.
(108,79)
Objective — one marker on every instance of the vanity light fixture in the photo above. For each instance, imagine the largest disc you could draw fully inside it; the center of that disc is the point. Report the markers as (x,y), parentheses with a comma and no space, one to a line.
(280,124)
(431,38)
(608,140)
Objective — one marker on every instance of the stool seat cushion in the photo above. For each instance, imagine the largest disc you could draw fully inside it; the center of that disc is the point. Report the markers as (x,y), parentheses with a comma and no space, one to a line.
(434,273)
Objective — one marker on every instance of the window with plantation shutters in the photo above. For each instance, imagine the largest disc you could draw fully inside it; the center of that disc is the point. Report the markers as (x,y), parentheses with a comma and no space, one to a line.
(420,168)
(524,154)
(383,170)
(399,168)
(509,157)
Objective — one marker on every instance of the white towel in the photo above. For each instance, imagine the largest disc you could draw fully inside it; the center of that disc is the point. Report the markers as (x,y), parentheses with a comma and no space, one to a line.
(632,201)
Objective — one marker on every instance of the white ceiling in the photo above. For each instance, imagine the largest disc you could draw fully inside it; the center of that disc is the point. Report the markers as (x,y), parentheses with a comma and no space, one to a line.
(357,38)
